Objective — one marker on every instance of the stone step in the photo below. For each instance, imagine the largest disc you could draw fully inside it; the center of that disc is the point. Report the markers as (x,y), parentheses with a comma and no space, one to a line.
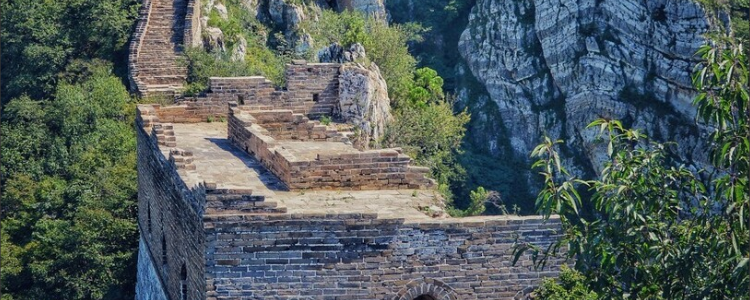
(163,80)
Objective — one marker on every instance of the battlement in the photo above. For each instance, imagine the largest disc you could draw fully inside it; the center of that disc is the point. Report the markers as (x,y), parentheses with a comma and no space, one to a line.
(308,155)
(242,194)
(270,198)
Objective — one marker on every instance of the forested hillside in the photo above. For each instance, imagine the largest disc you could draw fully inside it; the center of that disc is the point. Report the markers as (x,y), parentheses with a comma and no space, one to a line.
(68,151)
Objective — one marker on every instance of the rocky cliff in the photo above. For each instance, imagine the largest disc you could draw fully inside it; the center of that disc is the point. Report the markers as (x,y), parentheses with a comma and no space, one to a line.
(553,66)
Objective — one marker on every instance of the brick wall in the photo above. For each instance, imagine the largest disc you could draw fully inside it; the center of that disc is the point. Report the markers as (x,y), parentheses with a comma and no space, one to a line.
(169,212)
(193,24)
(259,133)
(312,89)
(354,256)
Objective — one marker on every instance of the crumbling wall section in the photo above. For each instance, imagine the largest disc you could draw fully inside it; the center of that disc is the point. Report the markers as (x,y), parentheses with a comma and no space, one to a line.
(192,34)
(350,170)
(311,89)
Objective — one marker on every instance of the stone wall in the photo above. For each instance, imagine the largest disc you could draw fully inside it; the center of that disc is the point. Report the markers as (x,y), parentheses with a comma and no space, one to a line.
(312,89)
(169,212)
(149,285)
(261,133)
(134,47)
(193,24)
(286,125)
(357,256)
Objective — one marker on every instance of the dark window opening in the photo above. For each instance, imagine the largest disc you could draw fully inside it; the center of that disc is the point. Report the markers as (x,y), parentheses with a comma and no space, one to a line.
(241,99)
(183,283)
(425,297)
(163,249)
(316,97)
(309,70)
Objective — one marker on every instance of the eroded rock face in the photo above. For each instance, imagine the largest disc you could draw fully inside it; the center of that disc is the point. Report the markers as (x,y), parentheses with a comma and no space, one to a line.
(371,7)
(214,39)
(553,66)
(363,100)
(240,50)
(363,93)
(335,53)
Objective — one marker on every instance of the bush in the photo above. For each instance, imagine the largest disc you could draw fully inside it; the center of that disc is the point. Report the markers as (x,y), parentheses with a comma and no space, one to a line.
(572,286)
(385,45)
(431,134)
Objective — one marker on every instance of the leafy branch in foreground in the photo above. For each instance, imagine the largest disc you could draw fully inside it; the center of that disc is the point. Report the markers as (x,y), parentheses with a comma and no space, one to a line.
(655,229)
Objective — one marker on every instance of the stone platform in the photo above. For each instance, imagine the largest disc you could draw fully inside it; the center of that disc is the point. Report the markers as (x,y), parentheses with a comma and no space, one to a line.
(217,161)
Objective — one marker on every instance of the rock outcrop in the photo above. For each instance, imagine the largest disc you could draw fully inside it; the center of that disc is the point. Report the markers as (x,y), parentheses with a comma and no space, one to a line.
(363,93)
(214,39)
(363,100)
(335,53)
(370,7)
(553,66)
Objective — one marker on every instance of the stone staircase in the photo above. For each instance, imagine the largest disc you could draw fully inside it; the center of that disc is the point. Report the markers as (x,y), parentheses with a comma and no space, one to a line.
(155,67)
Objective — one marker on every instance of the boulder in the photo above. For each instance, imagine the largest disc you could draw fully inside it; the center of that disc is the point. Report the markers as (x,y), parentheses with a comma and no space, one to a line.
(213,40)
(364,102)
(240,50)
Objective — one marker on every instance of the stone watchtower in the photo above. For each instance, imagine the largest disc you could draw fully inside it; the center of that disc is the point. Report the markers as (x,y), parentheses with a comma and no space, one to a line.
(243,195)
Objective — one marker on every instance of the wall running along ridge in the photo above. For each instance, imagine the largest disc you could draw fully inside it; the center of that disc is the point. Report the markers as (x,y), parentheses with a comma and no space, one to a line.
(265,252)
(201,240)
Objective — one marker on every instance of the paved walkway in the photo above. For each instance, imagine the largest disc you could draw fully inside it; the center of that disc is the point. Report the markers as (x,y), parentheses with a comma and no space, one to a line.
(217,161)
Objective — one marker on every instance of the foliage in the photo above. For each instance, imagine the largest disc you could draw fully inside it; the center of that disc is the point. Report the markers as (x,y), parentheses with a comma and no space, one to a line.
(386,45)
(202,65)
(656,230)
(39,39)
(427,87)
(259,60)
(572,286)
(325,120)
(478,198)
(430,134)
(443,21)
(68,191)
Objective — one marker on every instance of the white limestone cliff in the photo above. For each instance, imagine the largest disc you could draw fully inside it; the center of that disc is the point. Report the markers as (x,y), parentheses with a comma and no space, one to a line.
(553,66)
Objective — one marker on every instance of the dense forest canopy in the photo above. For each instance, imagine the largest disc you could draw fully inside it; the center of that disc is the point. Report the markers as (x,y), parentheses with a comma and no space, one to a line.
(68,150)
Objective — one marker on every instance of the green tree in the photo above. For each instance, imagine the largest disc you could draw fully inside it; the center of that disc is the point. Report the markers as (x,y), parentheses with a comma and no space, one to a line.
(39,39)
(69,190)
(571,286)
(431,135)
(656,230)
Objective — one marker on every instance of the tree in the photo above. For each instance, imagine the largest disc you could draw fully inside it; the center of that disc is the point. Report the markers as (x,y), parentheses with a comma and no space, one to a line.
(69,190)
(40,38)
(658,230)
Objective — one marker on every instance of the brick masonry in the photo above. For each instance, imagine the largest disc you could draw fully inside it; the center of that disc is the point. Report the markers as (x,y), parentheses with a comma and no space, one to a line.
(211,240)
(363,257)
(222,243)
(261,133)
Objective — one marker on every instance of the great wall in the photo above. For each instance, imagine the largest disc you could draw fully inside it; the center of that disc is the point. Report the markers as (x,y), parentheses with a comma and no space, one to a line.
(243,194)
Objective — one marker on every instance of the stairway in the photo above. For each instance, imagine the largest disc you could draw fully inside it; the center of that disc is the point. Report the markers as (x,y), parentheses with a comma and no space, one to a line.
(159,71)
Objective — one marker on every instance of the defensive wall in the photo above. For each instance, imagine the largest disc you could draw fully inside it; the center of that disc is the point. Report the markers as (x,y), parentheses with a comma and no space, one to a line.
(221,218)
(244,195)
